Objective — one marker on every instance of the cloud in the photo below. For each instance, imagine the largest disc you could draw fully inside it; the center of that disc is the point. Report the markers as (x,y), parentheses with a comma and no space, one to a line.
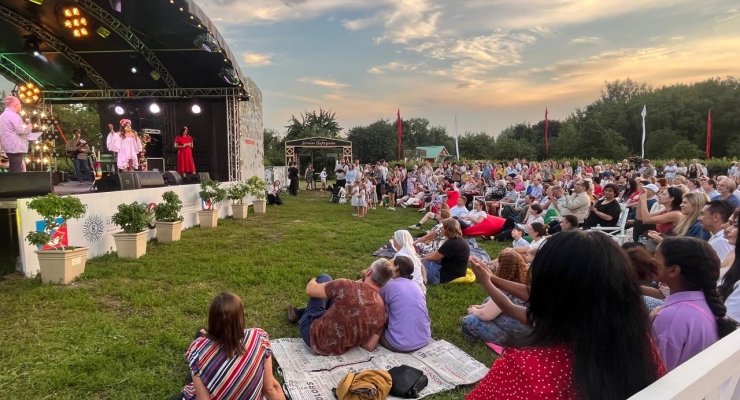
(409,20)
(360,23)
(256,60)
(395,66)
(239,13)
(544,32)
(323,82)
(586,40)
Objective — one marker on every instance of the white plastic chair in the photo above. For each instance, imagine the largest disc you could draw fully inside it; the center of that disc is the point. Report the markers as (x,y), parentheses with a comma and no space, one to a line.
(617,232)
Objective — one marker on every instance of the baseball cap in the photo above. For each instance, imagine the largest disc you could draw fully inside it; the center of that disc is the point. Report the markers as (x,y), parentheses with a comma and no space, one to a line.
(652,187)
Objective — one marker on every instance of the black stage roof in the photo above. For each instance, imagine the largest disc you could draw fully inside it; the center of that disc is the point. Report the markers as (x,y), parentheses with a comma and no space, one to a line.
(158,35)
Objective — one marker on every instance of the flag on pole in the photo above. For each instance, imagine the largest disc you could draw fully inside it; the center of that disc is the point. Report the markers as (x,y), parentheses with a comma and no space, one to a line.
(547,136)
(400,133)
(457,145)
(709,133)
(644,113)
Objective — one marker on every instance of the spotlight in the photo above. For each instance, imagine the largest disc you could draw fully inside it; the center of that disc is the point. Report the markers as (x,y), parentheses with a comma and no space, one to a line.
(229,76)
(103,32)
(155,75)
(154,108)
(31,45)
(196,109)
(37,2)
(207,42)
(77,77)
(134,69)
(28,93)
(71,18)
(119,110)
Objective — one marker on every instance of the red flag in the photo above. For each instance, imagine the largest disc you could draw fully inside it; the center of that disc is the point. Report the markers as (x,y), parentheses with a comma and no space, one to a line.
(400,133)
(709,133)
(547,136)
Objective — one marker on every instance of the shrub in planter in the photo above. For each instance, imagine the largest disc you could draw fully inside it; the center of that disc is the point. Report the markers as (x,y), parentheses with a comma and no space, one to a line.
(212,194)
(258,188)
(169,221)
(57,263)
(236,193)
(132,218)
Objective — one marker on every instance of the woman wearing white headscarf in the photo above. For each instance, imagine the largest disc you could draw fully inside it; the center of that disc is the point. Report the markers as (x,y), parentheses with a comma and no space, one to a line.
(404,245)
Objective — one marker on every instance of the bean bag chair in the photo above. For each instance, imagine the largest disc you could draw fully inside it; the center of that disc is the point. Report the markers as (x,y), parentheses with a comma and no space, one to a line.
(468,278)
(451,201)
(490,227)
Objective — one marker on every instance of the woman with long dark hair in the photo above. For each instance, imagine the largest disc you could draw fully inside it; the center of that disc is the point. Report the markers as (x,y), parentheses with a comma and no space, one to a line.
(729,287)
(228,361)
(693,316)
(599,348)
(629,191)
(184,146)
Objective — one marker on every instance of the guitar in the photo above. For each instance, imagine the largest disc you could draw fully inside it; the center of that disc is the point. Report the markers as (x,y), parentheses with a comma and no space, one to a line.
(74,153)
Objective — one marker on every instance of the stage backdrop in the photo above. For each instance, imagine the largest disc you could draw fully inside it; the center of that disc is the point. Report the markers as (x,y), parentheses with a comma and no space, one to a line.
(96,227)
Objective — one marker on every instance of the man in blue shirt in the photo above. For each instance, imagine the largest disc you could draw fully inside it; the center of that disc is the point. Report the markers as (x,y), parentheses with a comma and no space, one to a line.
(726,189)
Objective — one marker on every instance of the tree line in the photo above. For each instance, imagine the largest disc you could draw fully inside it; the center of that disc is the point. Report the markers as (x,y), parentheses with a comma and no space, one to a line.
(608,128)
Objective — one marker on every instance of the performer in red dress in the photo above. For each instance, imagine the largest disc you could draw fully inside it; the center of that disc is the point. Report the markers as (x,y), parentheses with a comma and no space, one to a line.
(184,146)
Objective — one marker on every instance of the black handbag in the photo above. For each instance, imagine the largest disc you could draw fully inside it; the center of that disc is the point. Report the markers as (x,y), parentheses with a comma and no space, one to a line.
(407,381)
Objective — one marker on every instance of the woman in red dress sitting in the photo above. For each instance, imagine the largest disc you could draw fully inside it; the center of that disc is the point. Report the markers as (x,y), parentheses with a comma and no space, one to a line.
(184,146)
(589,335)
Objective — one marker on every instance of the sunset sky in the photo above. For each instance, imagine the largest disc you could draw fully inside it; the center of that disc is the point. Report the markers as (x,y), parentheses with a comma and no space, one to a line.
(492,62)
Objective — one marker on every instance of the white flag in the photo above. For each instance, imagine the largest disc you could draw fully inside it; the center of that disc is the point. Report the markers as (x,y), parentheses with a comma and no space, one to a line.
(457,146)
(644,113)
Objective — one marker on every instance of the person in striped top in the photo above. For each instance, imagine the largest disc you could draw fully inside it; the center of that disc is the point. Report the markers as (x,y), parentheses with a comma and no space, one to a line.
(228,361)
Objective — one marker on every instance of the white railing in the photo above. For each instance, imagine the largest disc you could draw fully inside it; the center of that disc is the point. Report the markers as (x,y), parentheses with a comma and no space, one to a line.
(713,374)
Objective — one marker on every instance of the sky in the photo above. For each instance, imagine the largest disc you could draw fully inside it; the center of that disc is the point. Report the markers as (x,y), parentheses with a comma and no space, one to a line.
(493,63)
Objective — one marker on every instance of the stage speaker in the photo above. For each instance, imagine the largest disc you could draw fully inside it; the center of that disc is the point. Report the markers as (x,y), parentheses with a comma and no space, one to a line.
(155,164)
(108,183)
(172,178)
(16,185)
(150,179)
(204,176)
(129,180)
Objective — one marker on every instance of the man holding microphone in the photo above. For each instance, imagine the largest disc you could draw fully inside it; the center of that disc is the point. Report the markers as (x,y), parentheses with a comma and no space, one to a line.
(13,134)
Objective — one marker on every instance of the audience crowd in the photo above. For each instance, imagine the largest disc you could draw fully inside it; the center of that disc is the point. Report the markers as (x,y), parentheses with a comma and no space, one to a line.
(616,274)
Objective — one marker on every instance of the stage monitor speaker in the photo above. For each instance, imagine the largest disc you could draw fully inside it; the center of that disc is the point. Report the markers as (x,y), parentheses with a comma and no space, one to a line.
(108,183)
(129,180)
(16,185)
(172,178)
(155,164)
(150,179)
(204,176)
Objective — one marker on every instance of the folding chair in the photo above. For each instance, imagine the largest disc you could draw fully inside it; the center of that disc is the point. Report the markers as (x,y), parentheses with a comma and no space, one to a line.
(616,232)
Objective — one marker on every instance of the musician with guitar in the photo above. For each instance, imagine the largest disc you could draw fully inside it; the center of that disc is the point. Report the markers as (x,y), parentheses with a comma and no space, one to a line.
(77,150)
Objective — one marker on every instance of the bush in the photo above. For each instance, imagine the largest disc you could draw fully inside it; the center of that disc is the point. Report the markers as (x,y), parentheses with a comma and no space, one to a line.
(132,218)
(237,192)
(52,208)
(169,211)
(257,187)
(212,193)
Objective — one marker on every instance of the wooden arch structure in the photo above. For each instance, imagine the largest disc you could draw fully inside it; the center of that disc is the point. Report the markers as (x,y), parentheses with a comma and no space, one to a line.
(317,143)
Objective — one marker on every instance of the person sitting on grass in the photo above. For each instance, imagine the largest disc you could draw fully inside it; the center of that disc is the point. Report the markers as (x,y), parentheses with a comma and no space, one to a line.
(574,349)
(534,215)
(228,361)
(409,327)
(474,217)
(538,233)
(428,216)
(487,321)
(450,260)
(692,318)
(343,313)
(403,243)
(273,195)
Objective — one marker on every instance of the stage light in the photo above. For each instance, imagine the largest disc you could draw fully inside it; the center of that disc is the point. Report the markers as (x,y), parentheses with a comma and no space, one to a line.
(196,109)
(154,108)
(31,45)
(207,42)
(229,76)
(28,93)
(134,69)
(37,2)
(72,19)
(155,75)
(119,110)
(103,32)
(77,77)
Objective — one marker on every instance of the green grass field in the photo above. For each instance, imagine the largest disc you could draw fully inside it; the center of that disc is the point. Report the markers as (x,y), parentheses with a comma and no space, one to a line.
(121,331)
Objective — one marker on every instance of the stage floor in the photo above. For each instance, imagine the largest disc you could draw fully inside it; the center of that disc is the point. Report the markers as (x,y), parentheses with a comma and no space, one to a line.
(68,188)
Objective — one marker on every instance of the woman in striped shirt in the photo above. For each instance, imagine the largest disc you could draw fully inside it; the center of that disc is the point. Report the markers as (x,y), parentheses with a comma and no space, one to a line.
(228,361)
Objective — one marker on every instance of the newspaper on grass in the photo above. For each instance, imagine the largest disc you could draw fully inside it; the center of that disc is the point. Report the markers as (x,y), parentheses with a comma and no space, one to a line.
(311,377)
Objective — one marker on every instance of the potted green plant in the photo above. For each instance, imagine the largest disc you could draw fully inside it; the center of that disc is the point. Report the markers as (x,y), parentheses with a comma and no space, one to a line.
(212,194)
(169,221)
(132,218)
(258,189)
(57,263)
(236,193)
